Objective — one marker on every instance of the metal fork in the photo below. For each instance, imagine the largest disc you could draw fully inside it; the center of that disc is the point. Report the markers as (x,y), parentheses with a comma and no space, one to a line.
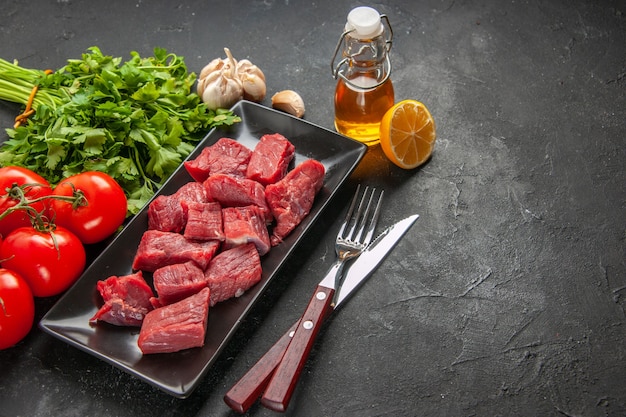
(354,235)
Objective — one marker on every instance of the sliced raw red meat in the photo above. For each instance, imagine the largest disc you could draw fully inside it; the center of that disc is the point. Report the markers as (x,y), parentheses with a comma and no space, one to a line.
(237,192)
(158,249)
(168,214)
(204,221)
(232,272)
(175,282)
(291,198)
(226,156)
(270,159)
(177,326)
(126,300)
(245,225)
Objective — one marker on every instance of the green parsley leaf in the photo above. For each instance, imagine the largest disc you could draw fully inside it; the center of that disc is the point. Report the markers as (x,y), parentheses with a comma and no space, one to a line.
(135,120)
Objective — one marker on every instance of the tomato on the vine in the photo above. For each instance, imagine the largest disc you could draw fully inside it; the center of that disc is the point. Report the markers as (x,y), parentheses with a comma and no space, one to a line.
(17,308)
(14,175)
(49,261)
(99,214)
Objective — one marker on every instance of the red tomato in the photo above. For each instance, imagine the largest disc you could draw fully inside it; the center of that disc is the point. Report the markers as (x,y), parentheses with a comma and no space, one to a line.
(49,261)
(17,175)
(100,215)
(17,308)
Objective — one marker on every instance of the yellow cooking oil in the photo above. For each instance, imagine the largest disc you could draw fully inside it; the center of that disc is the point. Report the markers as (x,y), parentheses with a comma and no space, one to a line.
(360,106)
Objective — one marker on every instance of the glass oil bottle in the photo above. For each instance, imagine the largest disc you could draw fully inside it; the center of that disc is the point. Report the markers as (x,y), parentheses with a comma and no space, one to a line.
(364,90)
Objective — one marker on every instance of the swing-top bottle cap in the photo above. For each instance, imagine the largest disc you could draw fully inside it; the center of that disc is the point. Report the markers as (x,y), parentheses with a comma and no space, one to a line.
(364,22)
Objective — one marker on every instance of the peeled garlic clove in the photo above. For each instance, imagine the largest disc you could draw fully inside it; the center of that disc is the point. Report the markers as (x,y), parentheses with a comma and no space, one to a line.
(288,101)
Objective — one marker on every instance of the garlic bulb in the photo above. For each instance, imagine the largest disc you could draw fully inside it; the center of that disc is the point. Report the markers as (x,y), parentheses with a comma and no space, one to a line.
(288,101)
(223,82)
(218,84)
(253,80)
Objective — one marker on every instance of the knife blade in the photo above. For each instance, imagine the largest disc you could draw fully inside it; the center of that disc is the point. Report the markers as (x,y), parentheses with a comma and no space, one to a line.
(246,391)
(371,257)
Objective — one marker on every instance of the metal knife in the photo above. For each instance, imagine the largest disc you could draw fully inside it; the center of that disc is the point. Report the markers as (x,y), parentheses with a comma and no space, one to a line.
(250,387)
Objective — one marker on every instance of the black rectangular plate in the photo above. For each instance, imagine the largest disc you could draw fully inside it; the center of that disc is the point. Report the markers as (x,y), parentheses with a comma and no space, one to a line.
(179,373)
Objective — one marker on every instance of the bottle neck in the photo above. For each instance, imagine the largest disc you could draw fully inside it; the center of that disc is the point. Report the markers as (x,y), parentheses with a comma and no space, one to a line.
(365,52)
(363,57)
(366,62)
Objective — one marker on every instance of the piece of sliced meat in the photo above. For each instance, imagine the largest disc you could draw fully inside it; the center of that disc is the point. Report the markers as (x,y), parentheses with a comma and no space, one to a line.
(204,221)
(226,156)
(178,326)
(270,159)
(167,213)
(237,192)
(175,282)
(126,300)
(291,198)
(158,249)
(232,272)
(245,225)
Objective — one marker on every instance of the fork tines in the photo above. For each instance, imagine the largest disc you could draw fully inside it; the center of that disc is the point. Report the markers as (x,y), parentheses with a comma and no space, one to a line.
(358,223)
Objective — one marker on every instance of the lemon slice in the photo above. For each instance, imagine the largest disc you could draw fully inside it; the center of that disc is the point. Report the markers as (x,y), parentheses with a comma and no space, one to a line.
(408,134)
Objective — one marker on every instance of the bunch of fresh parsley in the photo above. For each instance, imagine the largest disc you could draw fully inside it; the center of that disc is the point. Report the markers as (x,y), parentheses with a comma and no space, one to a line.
(135,120)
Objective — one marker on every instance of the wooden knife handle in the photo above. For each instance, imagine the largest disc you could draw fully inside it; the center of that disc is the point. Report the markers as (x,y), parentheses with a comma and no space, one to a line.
(249,388)
(283,382)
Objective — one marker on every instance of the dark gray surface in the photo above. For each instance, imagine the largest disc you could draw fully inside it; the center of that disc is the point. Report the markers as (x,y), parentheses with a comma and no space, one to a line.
(507,296)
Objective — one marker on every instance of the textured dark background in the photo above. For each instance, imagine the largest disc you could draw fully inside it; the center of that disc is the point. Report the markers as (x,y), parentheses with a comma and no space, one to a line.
(507,298)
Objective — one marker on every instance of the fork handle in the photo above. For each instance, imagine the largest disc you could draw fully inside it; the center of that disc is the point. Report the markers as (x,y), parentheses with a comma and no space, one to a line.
(249,388)
(285,378)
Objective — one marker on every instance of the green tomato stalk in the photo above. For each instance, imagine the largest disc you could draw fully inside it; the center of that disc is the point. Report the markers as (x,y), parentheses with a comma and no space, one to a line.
(22,203)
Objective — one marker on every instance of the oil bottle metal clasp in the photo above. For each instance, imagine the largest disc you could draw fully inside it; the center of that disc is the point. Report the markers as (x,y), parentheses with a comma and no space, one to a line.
(347,61)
